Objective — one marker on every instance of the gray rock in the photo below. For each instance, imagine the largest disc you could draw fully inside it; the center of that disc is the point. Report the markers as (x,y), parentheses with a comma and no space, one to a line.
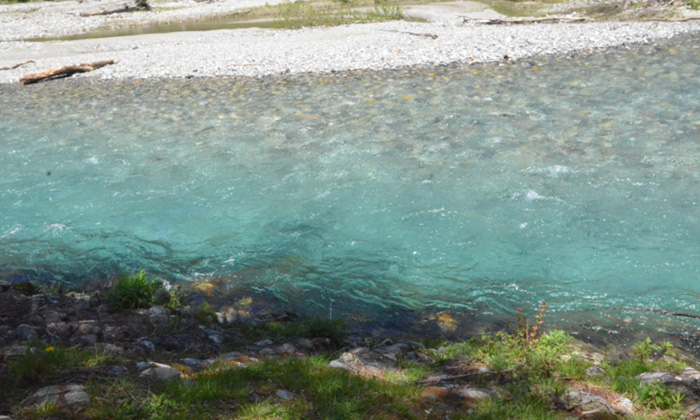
(623,406)
(283,394)
(229,356)
(110,348)
(143,365)
(216,337)
(146,344)
(5,286)
(264,343)
(693,411)
(287,348)
(305,344)
(194,363)
(26,332)
(689,374)
(67,394)
(267,351)
(62,329)
(594,371)
(158,315)
(656,377)
(585,401)
(340,365)
(84,340)
(13,351)
(51,316)
(118,370)
(161,372)
(88,327)
(6,330)
(476,394)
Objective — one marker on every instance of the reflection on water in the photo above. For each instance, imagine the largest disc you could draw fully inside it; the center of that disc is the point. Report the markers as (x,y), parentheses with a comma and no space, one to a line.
(482,188)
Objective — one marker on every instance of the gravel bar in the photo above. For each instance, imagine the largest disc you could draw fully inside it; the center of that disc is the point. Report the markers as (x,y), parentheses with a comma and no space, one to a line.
(263,52)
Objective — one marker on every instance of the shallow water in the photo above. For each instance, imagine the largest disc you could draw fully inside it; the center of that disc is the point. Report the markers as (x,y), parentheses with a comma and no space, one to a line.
(485,188)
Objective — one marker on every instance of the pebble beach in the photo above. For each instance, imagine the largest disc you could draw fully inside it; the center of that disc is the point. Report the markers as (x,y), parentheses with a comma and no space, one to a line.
(263,52)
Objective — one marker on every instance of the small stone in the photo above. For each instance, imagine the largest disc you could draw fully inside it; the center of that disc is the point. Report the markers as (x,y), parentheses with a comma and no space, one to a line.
(267,351)
(51,316)
(623,406)
(216,337)
(67,394)
(594,371)
(110,348)
(476,394)
(689,374)
(26,332)
(264,343)
(340,365)
(194,363)
(6,330)
(62,329)
(162,373)
(84,340)
(305,343)
(12,351)
(230,355)
(143,365)
(158,315)
(285,395)
(146,344)
(88,327)
(117,370)
(597,358)
(288,348)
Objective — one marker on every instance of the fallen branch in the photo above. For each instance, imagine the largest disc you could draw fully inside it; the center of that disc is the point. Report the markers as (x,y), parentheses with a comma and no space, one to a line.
(140,5)
(65,71)
(550,19)
(17,65)
(675,20)
(432,36)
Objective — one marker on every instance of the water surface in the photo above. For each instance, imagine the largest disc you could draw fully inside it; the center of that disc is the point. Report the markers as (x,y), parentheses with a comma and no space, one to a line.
(485,188)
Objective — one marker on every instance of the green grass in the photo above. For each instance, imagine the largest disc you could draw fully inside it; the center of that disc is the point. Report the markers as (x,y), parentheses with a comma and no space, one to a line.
(132,292)
(320,392)
(334,329)
(307,14)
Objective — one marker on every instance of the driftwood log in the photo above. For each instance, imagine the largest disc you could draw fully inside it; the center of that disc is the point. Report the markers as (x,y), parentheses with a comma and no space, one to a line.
(139,5)
(524,21)
(65,71)
(17,65)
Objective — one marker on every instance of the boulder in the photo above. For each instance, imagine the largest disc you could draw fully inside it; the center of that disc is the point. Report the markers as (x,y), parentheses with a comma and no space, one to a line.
(158,315)
(26,332)
(475,394)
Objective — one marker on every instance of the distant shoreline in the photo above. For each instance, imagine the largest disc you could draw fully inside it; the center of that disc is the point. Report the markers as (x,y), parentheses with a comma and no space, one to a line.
(263,52)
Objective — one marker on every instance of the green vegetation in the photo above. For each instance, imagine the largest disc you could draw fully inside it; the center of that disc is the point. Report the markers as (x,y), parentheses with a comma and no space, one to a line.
(333,329)
(319,392)
(294,15)
(133,291)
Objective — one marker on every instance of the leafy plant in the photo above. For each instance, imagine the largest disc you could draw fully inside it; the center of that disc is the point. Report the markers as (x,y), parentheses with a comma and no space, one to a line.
(205,314)
(132,292)
(644,349)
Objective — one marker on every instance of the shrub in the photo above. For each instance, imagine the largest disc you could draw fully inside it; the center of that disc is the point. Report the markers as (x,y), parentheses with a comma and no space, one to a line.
(132,292)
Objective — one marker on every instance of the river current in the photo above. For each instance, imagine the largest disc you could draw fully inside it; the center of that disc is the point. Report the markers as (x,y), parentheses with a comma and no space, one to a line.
(482,188)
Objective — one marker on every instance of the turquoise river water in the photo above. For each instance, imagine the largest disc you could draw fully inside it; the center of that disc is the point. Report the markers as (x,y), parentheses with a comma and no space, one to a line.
(482,188)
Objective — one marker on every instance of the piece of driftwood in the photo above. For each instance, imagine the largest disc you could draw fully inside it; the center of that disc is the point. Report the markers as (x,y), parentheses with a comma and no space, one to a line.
(139,5)
(64,71)
(17,65)
(524,21)
(432,36)
(688,19)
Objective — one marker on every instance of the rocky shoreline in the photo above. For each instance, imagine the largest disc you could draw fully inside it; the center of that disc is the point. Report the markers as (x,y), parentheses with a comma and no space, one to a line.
(262,52)
(158,345)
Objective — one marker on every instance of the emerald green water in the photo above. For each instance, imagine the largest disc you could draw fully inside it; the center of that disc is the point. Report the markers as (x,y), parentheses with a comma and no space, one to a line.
(486,189)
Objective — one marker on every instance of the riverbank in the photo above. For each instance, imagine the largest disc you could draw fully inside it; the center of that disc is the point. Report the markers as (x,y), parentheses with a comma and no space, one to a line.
(133,351)
(263,52)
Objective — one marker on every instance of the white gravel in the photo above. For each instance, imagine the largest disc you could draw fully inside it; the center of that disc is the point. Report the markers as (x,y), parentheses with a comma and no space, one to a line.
(259,52)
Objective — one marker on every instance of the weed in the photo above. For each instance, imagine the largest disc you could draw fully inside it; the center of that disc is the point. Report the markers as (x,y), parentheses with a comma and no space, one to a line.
(205,315)
(644,349)
(132,292)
